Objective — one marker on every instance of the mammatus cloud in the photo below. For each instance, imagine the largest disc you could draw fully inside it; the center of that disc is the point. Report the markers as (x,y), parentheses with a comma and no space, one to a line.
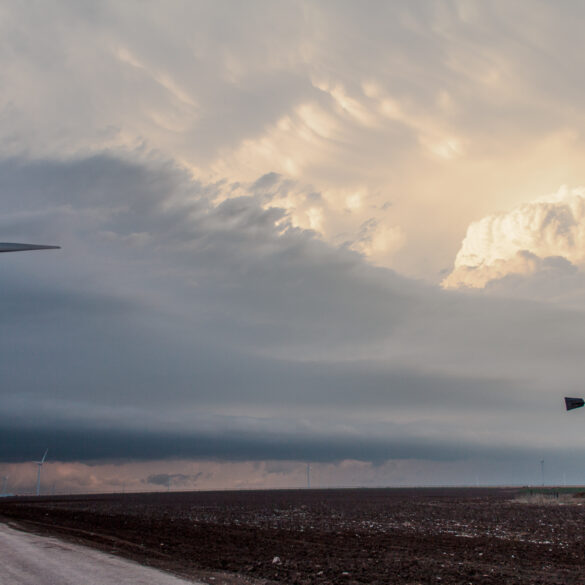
(403,103)
(547,234)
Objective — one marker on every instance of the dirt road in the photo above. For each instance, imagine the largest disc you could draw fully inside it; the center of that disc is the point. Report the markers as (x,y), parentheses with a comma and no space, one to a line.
(28,559)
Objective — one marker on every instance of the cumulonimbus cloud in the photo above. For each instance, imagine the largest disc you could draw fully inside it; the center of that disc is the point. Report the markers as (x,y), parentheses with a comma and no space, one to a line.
(518,241)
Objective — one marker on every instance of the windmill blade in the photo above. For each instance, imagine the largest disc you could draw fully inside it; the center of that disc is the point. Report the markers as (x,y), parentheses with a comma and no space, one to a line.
(572,403)
(45,455)
(9,247)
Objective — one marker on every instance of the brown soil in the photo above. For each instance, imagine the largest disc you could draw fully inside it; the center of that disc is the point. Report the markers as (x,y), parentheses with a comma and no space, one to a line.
(386,536)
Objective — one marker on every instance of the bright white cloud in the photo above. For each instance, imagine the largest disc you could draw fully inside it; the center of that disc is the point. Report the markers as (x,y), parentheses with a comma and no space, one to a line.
(518,241)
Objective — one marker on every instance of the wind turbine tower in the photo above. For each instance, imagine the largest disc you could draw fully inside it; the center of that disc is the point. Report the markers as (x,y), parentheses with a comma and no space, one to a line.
(40,464)
(13,247)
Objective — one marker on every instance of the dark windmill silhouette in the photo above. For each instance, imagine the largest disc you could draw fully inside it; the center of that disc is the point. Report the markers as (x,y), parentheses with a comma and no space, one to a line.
(572,403)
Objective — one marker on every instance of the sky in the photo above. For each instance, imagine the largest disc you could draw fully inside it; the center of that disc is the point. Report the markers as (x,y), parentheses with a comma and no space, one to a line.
(350,235)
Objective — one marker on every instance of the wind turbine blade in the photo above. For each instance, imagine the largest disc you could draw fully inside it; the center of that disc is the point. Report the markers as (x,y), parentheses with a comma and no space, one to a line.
(44,456)
(9,247)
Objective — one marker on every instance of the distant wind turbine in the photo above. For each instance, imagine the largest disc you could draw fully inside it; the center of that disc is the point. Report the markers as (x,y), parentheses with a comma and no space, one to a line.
(4,484)
(40,464)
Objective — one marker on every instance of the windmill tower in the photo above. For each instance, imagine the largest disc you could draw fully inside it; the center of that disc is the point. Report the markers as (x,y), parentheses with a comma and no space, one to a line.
(12,247)
(40,464)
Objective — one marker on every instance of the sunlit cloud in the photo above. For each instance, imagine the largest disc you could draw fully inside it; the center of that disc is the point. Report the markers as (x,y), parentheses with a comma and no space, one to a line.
(518,241)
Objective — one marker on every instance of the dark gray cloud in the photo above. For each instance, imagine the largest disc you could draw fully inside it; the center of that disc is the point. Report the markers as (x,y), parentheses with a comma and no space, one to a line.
(171,326)
(166,479)
(118,445)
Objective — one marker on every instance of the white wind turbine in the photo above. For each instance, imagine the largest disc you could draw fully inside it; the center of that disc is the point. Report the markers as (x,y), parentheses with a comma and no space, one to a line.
(13,247)
(40,464)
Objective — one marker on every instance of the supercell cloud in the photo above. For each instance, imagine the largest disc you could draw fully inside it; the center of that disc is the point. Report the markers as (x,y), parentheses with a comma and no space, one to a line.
(291,232)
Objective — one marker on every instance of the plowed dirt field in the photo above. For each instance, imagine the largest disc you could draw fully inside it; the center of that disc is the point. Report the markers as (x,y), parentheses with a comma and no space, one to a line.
(374,536)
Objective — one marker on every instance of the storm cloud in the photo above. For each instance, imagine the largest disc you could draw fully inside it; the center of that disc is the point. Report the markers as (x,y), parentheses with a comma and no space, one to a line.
(257,206)
(173,326)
